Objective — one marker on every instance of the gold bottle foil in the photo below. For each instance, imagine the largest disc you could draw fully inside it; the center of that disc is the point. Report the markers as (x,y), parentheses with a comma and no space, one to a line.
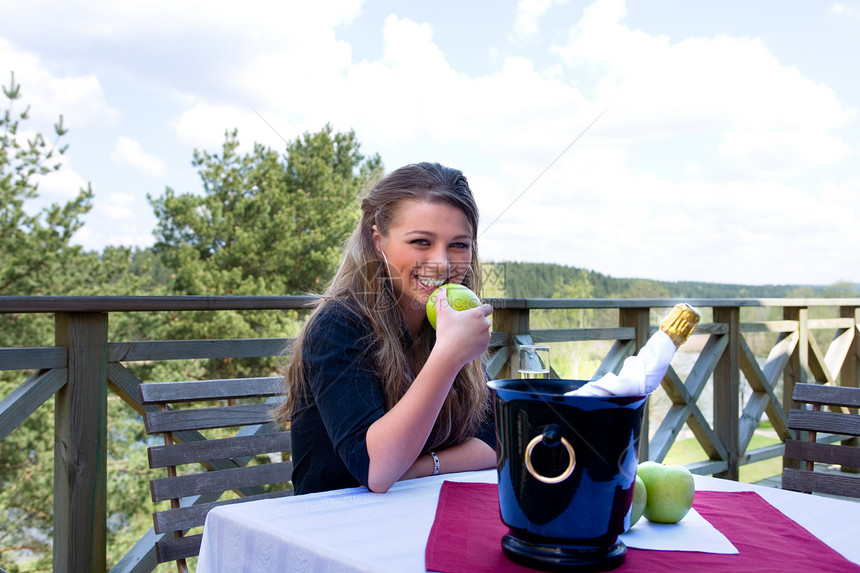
(680,323)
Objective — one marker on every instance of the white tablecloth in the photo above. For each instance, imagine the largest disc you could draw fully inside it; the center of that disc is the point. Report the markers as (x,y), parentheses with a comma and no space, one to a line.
(355,530)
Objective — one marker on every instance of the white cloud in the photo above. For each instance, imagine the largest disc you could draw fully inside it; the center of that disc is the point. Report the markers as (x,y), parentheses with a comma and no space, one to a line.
(769,118)
(412,94)
(529,12)
(703,231)
(204,126)
(79,98)
(128,152)
(60,186)
(116,207)
(845,10)
(218,48)
(116,219)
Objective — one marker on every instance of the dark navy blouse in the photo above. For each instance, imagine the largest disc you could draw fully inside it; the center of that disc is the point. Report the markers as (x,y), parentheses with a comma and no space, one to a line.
(343,398)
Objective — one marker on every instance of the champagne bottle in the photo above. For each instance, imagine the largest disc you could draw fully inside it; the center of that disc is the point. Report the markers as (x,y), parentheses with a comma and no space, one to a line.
(641,374)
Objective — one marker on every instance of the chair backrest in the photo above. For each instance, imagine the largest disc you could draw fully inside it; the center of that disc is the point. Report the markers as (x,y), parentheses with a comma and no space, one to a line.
(843,421)
(206,457)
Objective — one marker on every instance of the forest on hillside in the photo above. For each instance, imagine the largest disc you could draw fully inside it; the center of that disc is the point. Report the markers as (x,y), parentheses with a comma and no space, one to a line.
(545,280)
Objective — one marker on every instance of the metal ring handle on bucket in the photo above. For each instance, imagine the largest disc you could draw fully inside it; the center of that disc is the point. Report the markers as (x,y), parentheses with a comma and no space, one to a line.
(563,475)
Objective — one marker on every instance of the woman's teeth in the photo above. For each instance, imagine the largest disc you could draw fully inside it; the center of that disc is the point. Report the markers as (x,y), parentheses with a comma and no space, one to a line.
(431,282)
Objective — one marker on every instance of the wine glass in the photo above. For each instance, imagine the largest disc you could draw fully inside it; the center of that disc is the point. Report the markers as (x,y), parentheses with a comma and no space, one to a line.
(533,361)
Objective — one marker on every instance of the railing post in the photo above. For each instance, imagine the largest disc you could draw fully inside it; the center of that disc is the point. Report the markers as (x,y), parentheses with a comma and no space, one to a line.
(514,321)
(726,391)
(850,373)
(639,319)
(793,373)
(80,446)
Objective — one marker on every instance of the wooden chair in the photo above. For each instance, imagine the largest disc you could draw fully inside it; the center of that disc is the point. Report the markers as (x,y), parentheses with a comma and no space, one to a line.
(810,451)
(200,468)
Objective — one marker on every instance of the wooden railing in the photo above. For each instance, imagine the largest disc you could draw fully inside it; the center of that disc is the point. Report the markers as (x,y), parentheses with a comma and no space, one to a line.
(810,340)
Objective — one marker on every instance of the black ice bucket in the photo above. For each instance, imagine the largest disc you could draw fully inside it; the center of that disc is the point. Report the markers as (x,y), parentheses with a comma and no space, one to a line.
(566,470)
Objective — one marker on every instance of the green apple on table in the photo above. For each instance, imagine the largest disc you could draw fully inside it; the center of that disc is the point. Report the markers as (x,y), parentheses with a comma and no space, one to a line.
(640,498)
(670,491)
(459,297)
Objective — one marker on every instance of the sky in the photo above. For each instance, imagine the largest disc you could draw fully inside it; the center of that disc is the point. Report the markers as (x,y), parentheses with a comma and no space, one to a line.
(713,141)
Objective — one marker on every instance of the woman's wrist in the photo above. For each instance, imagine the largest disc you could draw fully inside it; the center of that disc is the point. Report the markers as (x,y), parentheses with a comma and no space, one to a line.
(436,465)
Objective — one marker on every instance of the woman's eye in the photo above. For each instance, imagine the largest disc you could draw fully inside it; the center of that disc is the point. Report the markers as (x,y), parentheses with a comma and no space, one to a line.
(459,245)
(422,242)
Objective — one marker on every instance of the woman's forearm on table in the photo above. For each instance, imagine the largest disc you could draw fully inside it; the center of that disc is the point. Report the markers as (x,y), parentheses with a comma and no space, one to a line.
(473,454)
(395,440)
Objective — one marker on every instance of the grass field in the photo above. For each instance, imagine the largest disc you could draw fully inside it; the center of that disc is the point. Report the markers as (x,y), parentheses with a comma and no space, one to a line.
(688,451)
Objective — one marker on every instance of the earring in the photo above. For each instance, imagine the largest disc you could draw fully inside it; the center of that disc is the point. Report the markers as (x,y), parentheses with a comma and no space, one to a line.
(387,270)
(384,258)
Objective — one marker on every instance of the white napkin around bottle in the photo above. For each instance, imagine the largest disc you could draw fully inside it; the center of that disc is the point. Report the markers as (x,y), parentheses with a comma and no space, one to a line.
(640,375)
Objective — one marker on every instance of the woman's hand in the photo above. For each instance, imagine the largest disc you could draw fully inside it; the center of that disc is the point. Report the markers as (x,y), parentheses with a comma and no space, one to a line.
(464,335)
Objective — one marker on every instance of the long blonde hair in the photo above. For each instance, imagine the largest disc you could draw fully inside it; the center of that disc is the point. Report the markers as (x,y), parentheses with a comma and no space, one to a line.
(362,281)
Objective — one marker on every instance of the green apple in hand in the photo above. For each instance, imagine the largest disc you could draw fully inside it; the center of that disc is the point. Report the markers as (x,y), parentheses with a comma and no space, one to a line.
(670,491)
(459,297)
(640,498)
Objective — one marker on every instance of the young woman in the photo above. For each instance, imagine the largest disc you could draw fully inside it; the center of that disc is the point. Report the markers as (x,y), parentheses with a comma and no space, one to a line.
(374,393)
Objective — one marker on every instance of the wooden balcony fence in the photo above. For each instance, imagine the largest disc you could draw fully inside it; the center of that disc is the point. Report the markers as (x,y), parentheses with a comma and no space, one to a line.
(84,365)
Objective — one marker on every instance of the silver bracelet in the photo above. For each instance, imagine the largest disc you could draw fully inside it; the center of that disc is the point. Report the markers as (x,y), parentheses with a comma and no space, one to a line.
(435,463)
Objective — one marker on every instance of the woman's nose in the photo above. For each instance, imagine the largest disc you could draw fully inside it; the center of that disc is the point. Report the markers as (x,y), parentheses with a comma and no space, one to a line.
(439,261)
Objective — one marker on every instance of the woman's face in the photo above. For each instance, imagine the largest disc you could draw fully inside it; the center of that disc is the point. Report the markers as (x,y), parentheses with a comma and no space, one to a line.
(428,244)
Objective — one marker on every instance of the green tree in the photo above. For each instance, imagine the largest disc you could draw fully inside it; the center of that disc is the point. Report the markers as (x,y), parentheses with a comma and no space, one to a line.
(266,224)
(642,288)
(34,248)
(35,253)
(801,292)
(575,285)
(36,258)
(841,289)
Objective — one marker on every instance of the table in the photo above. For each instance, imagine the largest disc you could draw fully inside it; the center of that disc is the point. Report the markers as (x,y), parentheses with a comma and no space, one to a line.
(356,530)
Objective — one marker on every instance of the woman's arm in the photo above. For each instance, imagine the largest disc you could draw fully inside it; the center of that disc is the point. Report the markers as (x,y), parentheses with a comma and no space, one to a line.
(395,440)
(473,454)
